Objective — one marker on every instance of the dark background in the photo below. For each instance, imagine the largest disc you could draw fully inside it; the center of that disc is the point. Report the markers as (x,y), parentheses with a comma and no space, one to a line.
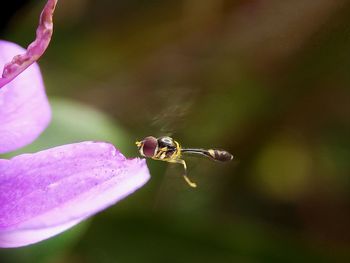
(266,80)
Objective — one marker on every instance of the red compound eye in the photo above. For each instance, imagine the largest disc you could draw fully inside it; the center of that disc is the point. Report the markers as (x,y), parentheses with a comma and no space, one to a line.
(149,147)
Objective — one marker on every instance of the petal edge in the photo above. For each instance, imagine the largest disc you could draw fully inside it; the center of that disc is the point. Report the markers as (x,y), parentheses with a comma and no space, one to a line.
(24,109)
(35,50)
(45,193)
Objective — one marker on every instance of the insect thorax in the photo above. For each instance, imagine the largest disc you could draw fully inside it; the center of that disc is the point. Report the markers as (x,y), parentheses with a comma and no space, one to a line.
(167,149)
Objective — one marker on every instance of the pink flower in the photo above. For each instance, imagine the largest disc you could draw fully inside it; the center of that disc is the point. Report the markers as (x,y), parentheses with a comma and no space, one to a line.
(45,193)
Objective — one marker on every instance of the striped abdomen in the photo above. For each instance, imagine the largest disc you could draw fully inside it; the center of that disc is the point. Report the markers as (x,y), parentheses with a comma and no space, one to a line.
(217,155)
(220,155)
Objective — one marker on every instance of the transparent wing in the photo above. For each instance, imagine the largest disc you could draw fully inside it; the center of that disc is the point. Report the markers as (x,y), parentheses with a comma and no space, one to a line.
(176,104)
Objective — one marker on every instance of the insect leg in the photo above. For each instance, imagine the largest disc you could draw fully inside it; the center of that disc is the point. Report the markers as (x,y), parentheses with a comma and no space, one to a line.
(188,181)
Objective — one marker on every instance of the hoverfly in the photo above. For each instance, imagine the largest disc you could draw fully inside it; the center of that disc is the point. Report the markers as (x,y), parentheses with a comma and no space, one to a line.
(167,149)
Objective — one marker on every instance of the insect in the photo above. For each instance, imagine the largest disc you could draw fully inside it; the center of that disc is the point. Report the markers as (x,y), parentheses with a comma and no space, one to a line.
(167,149)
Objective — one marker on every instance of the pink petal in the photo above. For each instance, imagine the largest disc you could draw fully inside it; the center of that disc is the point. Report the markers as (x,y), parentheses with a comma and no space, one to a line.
(34,51)
(24,109)
(45,193)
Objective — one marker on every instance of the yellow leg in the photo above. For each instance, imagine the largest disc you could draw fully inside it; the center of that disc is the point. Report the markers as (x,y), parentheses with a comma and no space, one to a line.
(188,181)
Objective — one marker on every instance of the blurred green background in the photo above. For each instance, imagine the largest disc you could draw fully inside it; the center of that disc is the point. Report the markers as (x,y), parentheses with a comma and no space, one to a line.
(267,80)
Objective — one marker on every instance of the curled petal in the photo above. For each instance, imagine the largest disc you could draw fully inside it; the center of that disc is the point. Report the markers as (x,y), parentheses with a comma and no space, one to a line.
(45,193)
(34,51)
(24,108)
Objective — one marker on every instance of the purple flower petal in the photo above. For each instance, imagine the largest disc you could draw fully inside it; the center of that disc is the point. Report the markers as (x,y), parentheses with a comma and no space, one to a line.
(34,51)
(45,193)
(24,109)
